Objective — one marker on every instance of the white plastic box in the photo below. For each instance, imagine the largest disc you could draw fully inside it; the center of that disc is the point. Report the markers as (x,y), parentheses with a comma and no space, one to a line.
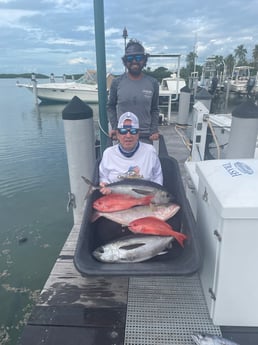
(191,187)
(227,218)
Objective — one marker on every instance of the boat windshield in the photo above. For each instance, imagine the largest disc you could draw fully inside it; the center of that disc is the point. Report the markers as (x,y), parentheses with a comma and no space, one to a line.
(242,72)
(90,77)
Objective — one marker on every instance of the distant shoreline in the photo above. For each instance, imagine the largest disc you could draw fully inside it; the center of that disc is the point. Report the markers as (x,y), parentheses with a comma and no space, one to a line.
(23,75)
(38,76)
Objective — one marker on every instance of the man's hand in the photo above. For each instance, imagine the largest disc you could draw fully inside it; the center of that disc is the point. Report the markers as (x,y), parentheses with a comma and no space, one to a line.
(154,136)
(112,134)
(103,189)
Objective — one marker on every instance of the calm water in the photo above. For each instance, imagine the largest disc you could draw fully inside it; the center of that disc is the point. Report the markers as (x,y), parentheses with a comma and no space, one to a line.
(34,183)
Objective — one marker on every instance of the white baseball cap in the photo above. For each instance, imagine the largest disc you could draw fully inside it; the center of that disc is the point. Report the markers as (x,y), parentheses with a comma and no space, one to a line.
(128,116)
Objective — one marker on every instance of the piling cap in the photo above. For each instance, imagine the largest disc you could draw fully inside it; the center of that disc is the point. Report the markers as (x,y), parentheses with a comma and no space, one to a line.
(76,109)
(247,110)
(185,89)
(203,94)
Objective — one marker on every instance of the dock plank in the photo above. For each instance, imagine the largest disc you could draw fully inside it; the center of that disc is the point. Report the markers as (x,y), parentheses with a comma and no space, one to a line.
(79,316)
(98,292)
(56,335)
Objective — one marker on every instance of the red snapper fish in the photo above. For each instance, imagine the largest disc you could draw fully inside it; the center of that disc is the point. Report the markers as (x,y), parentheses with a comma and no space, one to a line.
(119,202)
(124,217)
(155,226)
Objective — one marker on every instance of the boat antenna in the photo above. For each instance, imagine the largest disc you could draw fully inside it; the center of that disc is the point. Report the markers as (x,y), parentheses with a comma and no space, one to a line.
(125,35)
(195,52)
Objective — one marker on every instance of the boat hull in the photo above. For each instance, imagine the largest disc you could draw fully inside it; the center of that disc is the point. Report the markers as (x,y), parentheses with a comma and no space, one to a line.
(64,92)
(239,87)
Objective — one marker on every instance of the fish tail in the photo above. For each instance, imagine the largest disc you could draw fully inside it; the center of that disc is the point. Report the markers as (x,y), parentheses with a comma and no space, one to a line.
(91,187)
(180,237)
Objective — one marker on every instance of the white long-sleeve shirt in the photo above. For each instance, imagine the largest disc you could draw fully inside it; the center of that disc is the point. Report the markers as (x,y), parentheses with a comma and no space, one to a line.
(144,164)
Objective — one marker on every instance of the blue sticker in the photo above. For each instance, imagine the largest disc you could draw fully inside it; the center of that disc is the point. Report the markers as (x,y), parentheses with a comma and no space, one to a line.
(231,170)
(244,168)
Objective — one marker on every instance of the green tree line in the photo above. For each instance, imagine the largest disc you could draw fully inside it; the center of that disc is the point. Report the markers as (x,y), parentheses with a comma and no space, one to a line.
(37,76)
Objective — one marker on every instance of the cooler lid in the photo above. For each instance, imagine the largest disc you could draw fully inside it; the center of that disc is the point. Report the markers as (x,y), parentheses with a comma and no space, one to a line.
(232,185)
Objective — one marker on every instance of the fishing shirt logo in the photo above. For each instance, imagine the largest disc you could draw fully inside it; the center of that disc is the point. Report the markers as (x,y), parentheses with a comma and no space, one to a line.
(133,172)
(147,93)
(238,169)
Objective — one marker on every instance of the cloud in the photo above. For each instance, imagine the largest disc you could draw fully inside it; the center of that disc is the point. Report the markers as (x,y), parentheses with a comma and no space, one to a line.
(76,61)
(11,18)
(65,30)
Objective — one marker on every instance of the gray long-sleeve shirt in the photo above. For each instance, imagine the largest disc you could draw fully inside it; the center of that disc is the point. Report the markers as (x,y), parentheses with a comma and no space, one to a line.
(140,97)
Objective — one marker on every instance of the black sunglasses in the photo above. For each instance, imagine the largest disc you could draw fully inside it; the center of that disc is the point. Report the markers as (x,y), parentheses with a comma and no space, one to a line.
(137,58)
(124,131)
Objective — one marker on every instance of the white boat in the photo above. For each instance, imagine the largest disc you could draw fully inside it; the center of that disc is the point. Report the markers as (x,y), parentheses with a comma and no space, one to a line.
(238,81)
(171,86)
(212,78)
(85,88)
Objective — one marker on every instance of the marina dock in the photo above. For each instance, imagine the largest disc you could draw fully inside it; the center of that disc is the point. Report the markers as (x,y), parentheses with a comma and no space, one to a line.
(124,310)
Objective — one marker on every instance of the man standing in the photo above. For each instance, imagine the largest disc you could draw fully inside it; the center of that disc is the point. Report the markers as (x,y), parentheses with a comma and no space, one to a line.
(135,92)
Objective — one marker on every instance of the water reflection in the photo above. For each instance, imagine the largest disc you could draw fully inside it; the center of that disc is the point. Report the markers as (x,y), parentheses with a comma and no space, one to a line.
(55,111)
(223,103)
(34,184)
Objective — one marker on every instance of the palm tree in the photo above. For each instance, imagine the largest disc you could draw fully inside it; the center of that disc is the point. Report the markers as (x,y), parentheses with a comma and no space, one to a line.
(219,62)
(230,62)
(240,55)
(190,62)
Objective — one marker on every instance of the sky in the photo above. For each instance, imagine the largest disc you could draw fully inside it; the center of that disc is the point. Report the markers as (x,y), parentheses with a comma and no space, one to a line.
(58,36)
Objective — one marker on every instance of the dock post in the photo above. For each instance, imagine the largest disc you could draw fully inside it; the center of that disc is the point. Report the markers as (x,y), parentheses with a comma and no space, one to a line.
(35,90)
(184,105)
(205,97)
(244,131)
(199,131)
(80,148)
(52,78)
(101,68)
(227,95)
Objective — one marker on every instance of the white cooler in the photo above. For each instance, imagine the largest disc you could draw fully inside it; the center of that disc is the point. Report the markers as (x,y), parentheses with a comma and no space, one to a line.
(227,218)
(191,188)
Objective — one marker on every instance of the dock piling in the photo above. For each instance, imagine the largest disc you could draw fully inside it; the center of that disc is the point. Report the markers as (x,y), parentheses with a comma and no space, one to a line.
(80,148)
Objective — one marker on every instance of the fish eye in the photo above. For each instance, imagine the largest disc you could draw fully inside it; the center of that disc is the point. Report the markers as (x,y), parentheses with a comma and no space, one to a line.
(101,250)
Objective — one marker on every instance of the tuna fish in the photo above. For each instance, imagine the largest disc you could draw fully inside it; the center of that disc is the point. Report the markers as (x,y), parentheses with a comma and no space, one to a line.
(155,226)
(208,339)
(136,188)
(118,202)
(133,249)
(124,217)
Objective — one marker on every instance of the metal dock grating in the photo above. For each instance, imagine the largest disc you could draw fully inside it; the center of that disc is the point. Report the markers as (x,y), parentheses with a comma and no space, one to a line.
(166,311)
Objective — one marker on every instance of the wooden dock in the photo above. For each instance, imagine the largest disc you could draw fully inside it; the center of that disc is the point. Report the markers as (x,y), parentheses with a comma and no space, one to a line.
(76,310)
